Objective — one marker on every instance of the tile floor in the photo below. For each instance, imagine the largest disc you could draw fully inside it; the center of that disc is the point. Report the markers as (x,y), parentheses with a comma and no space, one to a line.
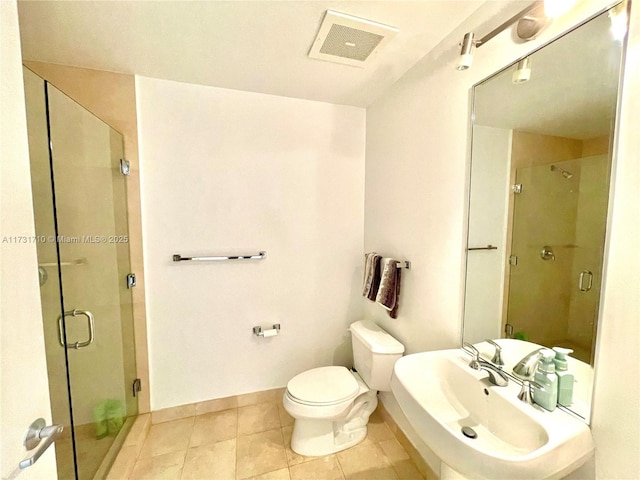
(253,442)
(91,452)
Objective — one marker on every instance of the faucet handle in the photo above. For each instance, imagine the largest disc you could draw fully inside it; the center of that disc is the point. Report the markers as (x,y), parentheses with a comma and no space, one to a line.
(475,355)
(474,351)
(497,357)
(525,394)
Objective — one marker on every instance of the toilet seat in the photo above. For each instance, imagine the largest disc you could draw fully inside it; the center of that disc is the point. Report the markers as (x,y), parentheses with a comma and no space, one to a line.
(323,386)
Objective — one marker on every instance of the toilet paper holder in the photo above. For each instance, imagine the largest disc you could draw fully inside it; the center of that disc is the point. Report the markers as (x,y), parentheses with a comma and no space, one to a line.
(257,331)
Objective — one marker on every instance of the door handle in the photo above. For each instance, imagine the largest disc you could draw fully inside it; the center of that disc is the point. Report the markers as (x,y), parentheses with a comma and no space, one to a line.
(585,274)
(90,323)
(38,439)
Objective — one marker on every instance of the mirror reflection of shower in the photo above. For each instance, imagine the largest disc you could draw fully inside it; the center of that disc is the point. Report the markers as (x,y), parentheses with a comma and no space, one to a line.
(565,173)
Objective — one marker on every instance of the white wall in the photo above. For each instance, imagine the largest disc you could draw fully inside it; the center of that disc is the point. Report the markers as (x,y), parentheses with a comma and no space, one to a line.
(616,403)
(418,146)
(229,172)
(488,209)
(25,394)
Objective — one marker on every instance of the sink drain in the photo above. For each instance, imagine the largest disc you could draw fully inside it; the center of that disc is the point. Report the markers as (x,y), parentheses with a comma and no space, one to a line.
(469,432)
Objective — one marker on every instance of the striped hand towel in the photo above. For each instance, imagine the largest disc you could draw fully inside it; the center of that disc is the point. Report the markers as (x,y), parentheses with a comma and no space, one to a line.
(389,290)
(371,275)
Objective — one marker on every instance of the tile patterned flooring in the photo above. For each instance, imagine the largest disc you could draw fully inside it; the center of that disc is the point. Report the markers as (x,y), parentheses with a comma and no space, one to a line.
(90,452)
(253,442)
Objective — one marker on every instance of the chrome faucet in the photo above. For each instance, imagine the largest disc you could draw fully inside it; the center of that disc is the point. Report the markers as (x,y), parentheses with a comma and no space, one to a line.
(497,356)
(526,367)
(496,375)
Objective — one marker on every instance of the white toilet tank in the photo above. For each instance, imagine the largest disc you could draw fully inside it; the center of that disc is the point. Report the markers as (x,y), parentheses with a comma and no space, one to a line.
(375,352)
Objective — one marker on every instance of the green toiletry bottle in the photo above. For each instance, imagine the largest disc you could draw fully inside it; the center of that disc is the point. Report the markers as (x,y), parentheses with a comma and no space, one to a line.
(547,396)
(565,378)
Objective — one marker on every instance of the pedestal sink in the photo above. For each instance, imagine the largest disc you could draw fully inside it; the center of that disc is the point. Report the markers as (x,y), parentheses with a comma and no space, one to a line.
(440,395)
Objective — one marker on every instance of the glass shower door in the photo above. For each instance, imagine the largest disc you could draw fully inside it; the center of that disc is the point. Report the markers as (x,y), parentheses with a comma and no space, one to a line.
(97,325)
(557,252)
(80,211)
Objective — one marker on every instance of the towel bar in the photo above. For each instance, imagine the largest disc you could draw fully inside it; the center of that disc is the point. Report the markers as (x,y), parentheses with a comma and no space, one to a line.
(488,247)
(404,264)
(253,256)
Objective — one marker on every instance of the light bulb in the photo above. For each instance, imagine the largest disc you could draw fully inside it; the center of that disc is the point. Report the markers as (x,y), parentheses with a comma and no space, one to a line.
(465,61)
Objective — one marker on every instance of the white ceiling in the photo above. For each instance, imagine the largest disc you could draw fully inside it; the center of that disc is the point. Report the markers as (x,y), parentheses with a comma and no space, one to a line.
(572,91)
(258,46)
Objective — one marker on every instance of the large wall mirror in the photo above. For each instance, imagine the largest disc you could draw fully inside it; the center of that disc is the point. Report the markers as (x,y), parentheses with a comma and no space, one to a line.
(540,177)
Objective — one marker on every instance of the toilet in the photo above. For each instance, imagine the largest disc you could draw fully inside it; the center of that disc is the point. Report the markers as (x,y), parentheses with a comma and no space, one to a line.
(331,405)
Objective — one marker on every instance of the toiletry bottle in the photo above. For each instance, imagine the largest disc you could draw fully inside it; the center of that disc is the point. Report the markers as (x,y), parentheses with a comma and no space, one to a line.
(565,378)
(547,396)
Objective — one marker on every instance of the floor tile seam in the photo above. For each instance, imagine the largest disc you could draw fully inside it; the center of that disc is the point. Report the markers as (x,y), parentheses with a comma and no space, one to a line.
(263,473)
(235,463)
(193,425)
(284,451)
(378,449)
(260,431)
(237,422)
(184,457)
(344,475)
(166,453)
(184,461)
(137,457)
(392,464)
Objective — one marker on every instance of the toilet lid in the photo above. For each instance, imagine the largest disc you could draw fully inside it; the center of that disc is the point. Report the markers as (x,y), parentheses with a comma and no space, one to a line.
(324,385)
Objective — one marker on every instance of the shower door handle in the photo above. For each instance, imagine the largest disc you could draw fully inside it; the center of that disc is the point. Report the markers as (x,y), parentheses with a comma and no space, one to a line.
(588,276)
(90,323)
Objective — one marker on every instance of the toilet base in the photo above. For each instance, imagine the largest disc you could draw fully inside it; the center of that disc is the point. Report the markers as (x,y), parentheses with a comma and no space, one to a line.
(313,438)
(318,437)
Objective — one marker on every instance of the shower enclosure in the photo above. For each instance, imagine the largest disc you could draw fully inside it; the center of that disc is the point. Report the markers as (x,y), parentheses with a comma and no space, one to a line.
(557,248)
(80,212)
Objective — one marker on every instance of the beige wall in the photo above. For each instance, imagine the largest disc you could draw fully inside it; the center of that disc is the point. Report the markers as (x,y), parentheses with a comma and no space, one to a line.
(111,97)
(530,149)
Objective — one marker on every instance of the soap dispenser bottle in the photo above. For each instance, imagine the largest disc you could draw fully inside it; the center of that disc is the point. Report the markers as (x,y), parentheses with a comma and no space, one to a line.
(547,394)
(565,378)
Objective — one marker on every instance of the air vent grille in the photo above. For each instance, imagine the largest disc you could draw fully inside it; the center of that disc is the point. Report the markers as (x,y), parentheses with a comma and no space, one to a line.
(350,43)
(349,40)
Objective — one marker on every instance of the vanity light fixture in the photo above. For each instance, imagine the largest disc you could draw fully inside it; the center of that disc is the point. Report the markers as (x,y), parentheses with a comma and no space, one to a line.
(523,71)
(466,51)
(530,23)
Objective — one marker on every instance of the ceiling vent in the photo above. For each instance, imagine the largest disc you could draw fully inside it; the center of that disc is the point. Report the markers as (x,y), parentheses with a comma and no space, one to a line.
(349,40)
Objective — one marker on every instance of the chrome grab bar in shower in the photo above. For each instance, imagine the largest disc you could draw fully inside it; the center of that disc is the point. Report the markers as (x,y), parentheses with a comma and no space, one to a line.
(90,322)
(254,256)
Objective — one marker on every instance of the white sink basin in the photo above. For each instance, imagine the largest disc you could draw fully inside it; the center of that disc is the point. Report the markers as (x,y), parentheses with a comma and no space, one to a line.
(439,393)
